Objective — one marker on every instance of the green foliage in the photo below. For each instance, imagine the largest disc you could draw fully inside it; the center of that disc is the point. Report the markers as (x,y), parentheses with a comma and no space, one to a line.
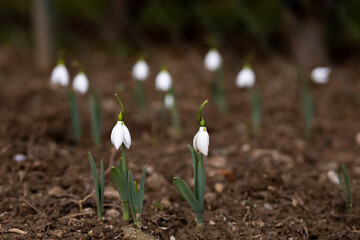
(196,199)
(256,110)
(345,187)
(99,186)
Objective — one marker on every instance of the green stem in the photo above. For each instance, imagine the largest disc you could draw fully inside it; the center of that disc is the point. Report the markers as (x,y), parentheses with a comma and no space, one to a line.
(200,221)
(219,92)
(174,114)
(126,211)
(256,111)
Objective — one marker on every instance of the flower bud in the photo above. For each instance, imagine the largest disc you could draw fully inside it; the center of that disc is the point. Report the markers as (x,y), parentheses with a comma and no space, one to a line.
(163,81)
(213,60)
(60,75)
(320,75)
(140,70)
(81,83)
(245,78)
(201,141)
(169,101)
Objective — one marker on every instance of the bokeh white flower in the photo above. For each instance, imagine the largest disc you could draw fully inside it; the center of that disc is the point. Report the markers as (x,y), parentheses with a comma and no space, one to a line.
(81,83)
(60,75)
(245,78)
(120,134)
(212,60)
(201,141)
(163,81)
(140,70)
(169,101)
(320,75)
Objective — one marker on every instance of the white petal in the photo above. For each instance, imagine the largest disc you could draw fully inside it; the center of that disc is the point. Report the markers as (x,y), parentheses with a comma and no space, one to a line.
(195,142)
(81,83)
(60,75)
(163,81)
(245,78)
(127,137)
(169,101)
(202,141)
(140,70)
(320,75)
(212,60)
(117,135)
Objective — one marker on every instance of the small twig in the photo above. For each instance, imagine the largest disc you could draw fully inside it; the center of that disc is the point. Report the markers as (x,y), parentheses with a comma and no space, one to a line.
(246,214)
(46,224)
(84,200)
(32,206)
(16,230)
(111,160)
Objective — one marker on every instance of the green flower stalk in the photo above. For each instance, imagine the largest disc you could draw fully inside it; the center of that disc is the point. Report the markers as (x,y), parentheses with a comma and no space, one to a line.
(345,187)
(74,116)
(213,63)
(120,136)
(307,102)
(99,185)
(140,73)
(169,103)
(200,148)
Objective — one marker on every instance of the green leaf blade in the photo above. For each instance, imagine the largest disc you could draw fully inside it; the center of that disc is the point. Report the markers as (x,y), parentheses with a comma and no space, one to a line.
(185,191)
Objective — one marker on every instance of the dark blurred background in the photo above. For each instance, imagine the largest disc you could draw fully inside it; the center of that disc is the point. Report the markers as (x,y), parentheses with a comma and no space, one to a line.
(309,33)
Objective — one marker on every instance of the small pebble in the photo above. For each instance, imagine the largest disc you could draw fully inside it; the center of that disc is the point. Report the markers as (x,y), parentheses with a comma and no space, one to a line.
(268,206)
(211,222)
(165,202)
(112,213)
(19,157)
(55,191)
(156,181)
(219,187)
(172,237)
(57,233)
(111,193)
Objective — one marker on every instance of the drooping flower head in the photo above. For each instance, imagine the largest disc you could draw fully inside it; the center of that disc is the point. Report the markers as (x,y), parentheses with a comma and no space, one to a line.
(120,133)
(60,74)
(212,60)
(320,75)
(81,83)
(140,70)
(163,80)
(201,139)
(246,77)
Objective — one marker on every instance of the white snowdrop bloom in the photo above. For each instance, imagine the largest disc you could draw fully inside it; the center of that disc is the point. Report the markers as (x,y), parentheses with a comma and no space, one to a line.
(120,134)
(169,101)
(320,75)
(140,70)
(212,60)
(201,141)
(60,75)
(163,81)
(245,78)
(81,83)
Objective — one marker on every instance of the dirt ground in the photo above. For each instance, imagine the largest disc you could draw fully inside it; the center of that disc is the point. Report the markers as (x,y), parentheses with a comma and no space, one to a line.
(270,186)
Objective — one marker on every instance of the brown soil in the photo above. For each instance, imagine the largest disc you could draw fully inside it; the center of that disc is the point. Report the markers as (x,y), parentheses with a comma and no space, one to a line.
(274,186)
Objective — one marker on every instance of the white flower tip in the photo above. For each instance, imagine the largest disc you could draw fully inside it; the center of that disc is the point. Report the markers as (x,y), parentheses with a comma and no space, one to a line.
(163,81)
(245,78)
(140,70)
(320,75)
(60,75)
(201,141)
(213,60)
(81,83)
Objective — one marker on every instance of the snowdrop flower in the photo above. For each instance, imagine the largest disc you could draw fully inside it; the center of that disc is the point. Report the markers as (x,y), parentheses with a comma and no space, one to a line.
(320,75)
(163,81)
(201,139)
(81,83)
(140,70)
(212,60)
(245,78)
(60,75)
(120,133)
(169,101)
